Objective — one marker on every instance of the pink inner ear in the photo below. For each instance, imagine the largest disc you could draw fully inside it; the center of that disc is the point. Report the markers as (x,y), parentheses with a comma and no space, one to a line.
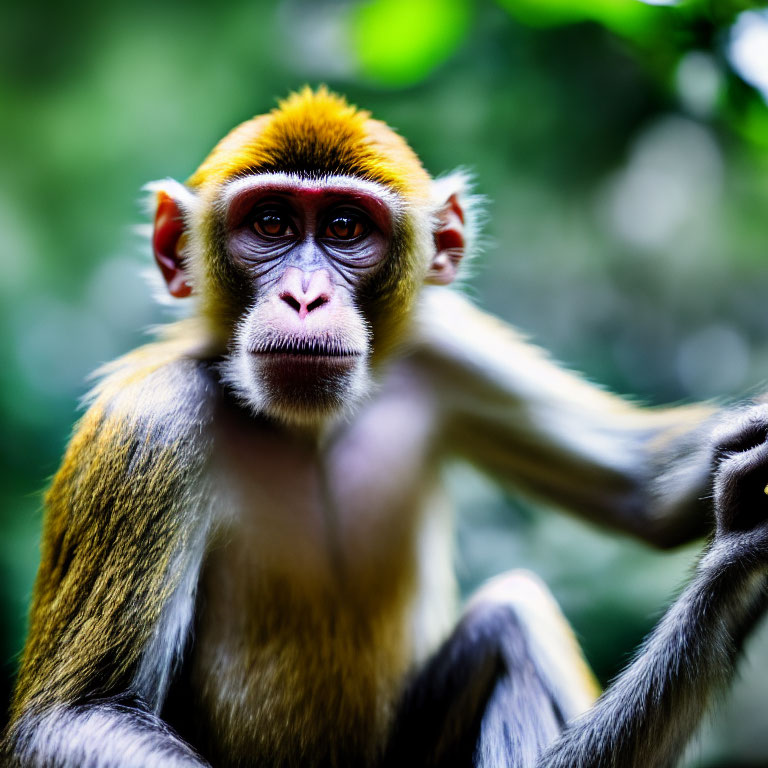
(449,243)
(449,238)
(454,205)
(450,235)
(169,227)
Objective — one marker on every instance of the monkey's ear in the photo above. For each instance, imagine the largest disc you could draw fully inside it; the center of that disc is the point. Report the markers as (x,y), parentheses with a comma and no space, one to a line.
(450,243)
(167,243)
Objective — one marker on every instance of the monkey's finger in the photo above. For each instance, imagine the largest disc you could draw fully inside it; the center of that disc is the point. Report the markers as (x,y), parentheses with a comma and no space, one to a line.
(742,431)
(740,490)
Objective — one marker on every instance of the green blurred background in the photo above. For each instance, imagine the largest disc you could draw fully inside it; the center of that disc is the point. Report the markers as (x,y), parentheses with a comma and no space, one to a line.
(623,150)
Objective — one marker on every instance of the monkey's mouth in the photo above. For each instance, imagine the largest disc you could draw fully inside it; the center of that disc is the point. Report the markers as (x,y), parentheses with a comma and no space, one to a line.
(317,350)
(302,378)
(304,374)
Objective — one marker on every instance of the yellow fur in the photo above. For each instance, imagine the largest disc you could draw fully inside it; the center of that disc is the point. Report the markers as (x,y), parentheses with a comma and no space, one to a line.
(316,132)
(314,668)
(87,628)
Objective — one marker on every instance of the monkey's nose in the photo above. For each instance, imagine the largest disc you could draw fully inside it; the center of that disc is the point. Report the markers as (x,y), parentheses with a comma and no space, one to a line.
(304,292)
(302,304)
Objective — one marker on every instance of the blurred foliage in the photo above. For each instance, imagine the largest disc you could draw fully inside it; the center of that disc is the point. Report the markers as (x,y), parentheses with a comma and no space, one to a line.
(624,155)
(427,33)
(627,17)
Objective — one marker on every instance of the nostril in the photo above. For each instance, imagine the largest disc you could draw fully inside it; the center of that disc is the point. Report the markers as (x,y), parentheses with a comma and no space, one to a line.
(318,302)
(291,302)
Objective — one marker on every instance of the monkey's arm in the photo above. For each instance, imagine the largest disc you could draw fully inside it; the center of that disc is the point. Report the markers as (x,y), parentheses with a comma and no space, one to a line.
(124,534)
(646,717)
(535,426)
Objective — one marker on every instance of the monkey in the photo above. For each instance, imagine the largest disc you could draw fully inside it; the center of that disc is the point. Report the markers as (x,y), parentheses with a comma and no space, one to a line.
(247,550)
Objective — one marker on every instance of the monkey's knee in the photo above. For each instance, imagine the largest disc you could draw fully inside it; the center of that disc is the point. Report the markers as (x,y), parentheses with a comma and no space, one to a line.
(552,644)
(512,587)
(479,701)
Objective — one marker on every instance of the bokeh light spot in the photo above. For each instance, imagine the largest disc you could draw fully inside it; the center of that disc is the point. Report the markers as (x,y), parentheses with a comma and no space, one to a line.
(399,42)
(713,361)
(672,179)
(748,49)
(699,81)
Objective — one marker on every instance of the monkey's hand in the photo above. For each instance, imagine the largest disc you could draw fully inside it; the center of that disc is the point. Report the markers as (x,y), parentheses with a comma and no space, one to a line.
(741,481)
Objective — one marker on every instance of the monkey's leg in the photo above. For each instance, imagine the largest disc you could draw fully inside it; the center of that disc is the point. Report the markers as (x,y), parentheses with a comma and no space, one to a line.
(500,689)
(115,733)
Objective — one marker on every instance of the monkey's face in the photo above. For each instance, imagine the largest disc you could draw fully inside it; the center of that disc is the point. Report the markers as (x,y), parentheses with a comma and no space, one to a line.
(310,253)
(304,238)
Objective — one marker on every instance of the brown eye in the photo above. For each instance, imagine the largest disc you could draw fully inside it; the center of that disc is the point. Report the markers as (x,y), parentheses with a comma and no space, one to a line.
(272,224)
(346,226)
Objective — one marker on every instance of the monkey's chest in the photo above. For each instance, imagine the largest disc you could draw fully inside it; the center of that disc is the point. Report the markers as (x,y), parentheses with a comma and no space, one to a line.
(306,599)
(299,661)
(302,639)
(306,604)
(344,513)
(281,678)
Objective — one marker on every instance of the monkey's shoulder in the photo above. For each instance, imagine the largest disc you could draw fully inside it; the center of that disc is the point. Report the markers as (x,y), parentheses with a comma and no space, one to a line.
(161,387)
(149,409)
(135,461)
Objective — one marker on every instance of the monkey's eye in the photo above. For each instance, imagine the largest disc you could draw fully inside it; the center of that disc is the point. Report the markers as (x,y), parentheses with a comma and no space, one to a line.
(347,225)
(273,224)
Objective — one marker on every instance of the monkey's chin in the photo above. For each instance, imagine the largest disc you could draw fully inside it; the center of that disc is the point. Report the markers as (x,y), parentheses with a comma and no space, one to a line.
(301,390)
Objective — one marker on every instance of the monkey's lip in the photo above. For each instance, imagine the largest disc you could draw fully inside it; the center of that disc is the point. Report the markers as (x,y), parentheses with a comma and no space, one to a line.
(307,350)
